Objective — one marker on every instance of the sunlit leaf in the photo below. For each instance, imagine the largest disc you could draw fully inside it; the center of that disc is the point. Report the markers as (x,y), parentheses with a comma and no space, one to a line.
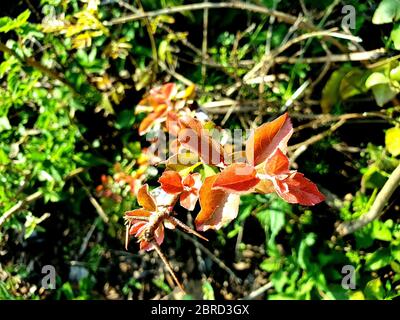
(145,199)
(298,189)
(217,207)
(264,140)
(238,177)
(392,141)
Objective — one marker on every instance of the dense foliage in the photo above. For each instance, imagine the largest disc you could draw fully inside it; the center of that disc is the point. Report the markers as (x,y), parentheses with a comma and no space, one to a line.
(77,79)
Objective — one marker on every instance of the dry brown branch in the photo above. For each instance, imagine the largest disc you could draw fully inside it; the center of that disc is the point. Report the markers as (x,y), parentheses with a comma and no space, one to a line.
(258,292)
(20,205)
(99,209)
(167,264)
(287,18)
(382,198)
(353,56)
(218,261)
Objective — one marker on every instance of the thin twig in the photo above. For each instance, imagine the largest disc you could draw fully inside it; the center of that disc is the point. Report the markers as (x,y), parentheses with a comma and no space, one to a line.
(167,264)
(382,198)
(353,56)
(85,241)
(218,261)
(287,18)
(93,201)
(20,205)
(258,292)
(151,38)
(204,46)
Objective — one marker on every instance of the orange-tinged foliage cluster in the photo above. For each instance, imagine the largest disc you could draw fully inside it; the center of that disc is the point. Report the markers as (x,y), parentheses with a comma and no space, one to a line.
(264,169)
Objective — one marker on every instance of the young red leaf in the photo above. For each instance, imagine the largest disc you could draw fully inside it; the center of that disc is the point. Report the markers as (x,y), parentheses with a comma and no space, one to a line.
(138,213)
(171,182)
(217,206)
(277,164)
(172,124)
(145,199)
(189,196)
(265,186)
(188,199)
(238,177)
(298,189)
(151,119)
(267,138)
(158,236)
(195,138)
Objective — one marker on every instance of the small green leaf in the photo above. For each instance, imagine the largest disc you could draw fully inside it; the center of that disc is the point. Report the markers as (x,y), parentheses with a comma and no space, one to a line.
(330,93)
(374,289)
(4,124)
(125,119)
(392,141)
(378,259)
(387,12)
(353,83)
(376,78)
(383,93)
(208,291)
(395,36)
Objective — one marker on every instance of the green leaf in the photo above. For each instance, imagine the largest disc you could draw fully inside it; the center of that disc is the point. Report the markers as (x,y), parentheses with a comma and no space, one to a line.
(373,178)
(387,12)
(396,253)
(4,124)
(125,119)
(357,295)
(208,171)
(374,289)
(383,93)
(381,231)
(208,291)
(330,93)
(378,259)
(7,24)
(392,141)
(376,78)
(304,250)
(353,83)
(271,264)
(395,36)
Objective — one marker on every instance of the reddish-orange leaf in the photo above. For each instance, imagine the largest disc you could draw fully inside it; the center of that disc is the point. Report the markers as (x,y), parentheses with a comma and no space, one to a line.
(195,138)
(188,199)
(217,206)
(137,228)
(277,164)
(172,124)
(192,184)
(171,182)
(265,186)
(192,181)
(145,199)
(150,120)
(238,178)
(138,213)
(298,189)
(167,90)
(267,138)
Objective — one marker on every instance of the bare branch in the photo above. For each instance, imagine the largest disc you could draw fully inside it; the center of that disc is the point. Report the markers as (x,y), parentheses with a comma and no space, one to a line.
(382,198)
